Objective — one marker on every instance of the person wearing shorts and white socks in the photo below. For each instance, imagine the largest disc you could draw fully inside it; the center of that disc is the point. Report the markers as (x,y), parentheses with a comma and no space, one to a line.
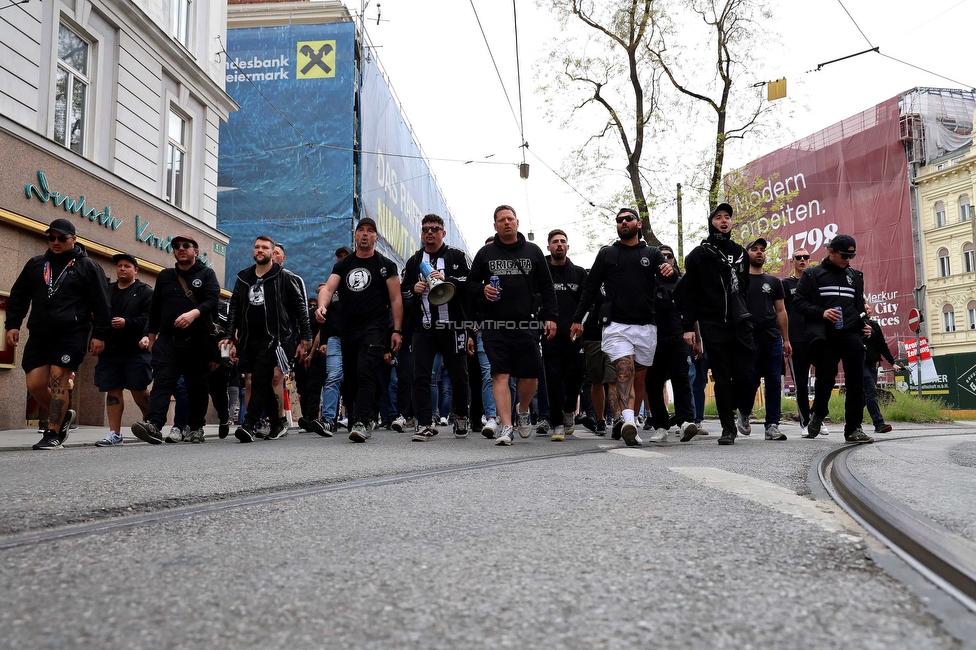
(630,271)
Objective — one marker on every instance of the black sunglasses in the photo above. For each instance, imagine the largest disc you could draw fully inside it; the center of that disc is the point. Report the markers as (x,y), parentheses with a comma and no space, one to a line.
(626,218)
(848,256)
(185,245)
(431,229)
(801,257)
(61,238)
(668,256)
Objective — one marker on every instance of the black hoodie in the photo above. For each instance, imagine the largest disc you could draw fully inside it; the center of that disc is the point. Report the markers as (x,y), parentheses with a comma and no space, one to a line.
(79,301)
(523,272)
(708,283)
(630,277)
(568,281)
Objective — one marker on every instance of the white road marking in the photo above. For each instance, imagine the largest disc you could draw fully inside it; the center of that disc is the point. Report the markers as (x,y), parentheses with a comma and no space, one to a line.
(637,453)
(768,494)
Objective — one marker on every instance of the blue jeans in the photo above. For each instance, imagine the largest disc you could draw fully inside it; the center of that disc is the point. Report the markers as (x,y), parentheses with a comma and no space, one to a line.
(767,363)
(333,379)
(871,394)
(698,377)
(181,412)
(486,395)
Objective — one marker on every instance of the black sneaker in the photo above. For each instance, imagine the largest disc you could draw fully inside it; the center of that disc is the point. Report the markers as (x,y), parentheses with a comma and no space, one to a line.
(278,430)
(542,429)
(857,436)
(69,418)
(814,428)
(223,430)
(727,437)
(884,427)
(589,423)
(460,427)
(317,426)
(244,434)
(304,424)
(601,428)
(617,425)
(51,440)
(147,432)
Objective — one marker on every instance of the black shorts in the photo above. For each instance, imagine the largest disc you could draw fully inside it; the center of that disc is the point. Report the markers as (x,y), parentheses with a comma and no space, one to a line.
(124,371)
(247,355)
(513,352)
(64,349)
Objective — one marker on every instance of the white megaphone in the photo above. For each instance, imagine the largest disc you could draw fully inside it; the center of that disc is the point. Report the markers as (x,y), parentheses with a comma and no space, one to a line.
(440,291)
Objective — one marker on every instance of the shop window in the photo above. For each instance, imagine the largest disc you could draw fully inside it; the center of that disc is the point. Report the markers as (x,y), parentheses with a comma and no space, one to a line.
(176,158)
(948,319)
(945,269)
(940,214)
(71,89)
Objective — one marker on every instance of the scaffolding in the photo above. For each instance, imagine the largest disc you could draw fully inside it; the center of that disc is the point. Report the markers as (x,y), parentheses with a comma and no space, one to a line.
(934,122)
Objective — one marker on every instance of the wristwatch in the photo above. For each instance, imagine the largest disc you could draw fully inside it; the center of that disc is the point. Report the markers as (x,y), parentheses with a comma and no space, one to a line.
(398,332)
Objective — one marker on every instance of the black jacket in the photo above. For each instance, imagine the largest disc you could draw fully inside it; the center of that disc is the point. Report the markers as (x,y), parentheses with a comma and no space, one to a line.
(133,304)
(170,301)
(706,292)
(815,294)
(80,301)
(798,322)
(630,276)
(519,287)
(456,269)
(568,281)
(876,347)
(290,306)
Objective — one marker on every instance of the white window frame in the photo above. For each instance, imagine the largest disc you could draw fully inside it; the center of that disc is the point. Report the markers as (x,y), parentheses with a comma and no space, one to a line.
(176,199)
(971,314)
(968,258)
(182,23)
(948,319)
(965,208)
(74,76)
(945,268)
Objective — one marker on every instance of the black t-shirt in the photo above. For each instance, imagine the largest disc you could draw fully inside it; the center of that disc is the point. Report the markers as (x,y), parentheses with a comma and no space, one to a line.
(764,290)
(363,291)
(261,321)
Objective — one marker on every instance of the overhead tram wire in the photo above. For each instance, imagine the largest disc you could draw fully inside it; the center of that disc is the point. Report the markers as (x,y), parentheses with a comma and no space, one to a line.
(495,64)
(870,44)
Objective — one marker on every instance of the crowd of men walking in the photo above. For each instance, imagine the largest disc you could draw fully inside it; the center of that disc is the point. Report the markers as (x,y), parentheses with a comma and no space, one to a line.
(520,341)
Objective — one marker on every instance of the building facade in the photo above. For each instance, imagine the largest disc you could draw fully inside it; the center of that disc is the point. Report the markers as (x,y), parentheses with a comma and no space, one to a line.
(110,112)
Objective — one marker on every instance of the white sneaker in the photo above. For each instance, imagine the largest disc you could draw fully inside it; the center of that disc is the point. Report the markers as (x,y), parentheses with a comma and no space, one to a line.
(629,433)
(111,440)
(742,423)
(823,430)
(175,435)
(558,434)
(507,437)
(688,431)
(702,431)
(443,421)
(659,435)
(569,423)
(399,424)
(524,425)
(489,428)
(804,432)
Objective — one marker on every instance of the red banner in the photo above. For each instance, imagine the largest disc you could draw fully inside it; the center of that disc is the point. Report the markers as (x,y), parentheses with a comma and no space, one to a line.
(850,178)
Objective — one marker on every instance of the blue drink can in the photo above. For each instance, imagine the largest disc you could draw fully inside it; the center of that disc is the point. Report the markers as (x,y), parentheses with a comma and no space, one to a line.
(840,324)
(497,283)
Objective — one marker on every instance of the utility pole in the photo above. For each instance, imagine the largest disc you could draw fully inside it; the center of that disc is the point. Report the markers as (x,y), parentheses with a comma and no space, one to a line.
(681,231)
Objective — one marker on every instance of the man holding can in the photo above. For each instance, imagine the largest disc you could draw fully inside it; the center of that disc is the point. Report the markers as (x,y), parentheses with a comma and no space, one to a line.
(831,296)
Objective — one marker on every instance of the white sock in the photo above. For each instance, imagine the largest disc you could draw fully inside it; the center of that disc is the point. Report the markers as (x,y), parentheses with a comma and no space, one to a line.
(628,415)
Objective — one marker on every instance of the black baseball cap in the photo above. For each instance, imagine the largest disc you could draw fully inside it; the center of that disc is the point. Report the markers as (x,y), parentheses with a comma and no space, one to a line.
(343,249)
(367,221)
(721,207)
(758,240)
(843,244)
(62,226)
(118,257)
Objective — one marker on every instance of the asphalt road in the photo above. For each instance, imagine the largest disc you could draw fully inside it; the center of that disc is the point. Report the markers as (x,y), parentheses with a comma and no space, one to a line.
(675,545)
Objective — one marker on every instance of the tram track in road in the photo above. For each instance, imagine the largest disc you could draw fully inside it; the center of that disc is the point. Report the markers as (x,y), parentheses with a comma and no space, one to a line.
(942,557)
(20,540)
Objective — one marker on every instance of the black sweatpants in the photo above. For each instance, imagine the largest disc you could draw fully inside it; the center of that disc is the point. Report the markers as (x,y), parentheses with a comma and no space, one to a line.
(217,383)
(730,361)
(309,382)
(565,365)
(171,360)
(846,346)
(426,344)
(671,361)
(263,360)
(362,354)
(800,371)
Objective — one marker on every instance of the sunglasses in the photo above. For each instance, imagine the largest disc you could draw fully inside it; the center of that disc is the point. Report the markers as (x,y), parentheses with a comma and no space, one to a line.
(801,257)
(848,256)
(626,218)
(183,245)
(668,256)
(431,229)
(60,238)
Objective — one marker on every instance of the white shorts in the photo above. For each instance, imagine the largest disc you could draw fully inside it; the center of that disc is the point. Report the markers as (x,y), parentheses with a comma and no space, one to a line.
(621,340)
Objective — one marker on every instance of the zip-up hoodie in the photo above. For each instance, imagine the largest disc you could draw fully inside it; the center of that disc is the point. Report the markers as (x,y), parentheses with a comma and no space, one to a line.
(455,270)
(630,277)
(704,291)
(281,295)
(170,301)
(518,287)
(132,304)
(79,302)
(568,281)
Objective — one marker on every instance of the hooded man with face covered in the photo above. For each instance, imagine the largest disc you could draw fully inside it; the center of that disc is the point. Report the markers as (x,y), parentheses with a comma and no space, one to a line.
(713,294)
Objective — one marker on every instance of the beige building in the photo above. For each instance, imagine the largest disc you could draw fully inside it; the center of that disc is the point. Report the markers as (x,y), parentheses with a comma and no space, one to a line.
(110,114)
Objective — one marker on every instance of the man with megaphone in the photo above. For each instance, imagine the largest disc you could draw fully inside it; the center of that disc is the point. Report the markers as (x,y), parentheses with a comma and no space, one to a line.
(434,297)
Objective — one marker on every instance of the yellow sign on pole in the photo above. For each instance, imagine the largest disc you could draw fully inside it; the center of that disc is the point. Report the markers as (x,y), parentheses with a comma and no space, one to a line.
(776,89)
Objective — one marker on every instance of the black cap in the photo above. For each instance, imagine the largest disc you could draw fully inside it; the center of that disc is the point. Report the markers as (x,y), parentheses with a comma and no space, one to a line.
(720,208)
(367,221)
(343,249)
(629,211)
(757,240)
(843,244)
(118,257)
(62,226)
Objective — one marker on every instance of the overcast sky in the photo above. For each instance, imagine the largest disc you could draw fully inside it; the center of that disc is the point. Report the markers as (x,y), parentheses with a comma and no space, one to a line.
(439,66)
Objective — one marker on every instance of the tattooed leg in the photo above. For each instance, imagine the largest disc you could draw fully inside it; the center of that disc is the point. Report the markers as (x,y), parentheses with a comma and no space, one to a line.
(625,381)
(141,398)
(39,386)
(614,398)
(115,407)
(59,397)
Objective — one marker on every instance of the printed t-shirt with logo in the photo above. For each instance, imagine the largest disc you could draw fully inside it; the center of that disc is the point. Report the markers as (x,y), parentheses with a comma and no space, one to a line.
(764,290)
(363,291)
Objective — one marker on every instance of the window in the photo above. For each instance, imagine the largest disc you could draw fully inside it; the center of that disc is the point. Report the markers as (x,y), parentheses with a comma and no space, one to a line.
(948,319)
(971,313)
(940,214)
(965,208)
(71,90)
(944,270)
(968,259)
(181,21)
(176,158)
